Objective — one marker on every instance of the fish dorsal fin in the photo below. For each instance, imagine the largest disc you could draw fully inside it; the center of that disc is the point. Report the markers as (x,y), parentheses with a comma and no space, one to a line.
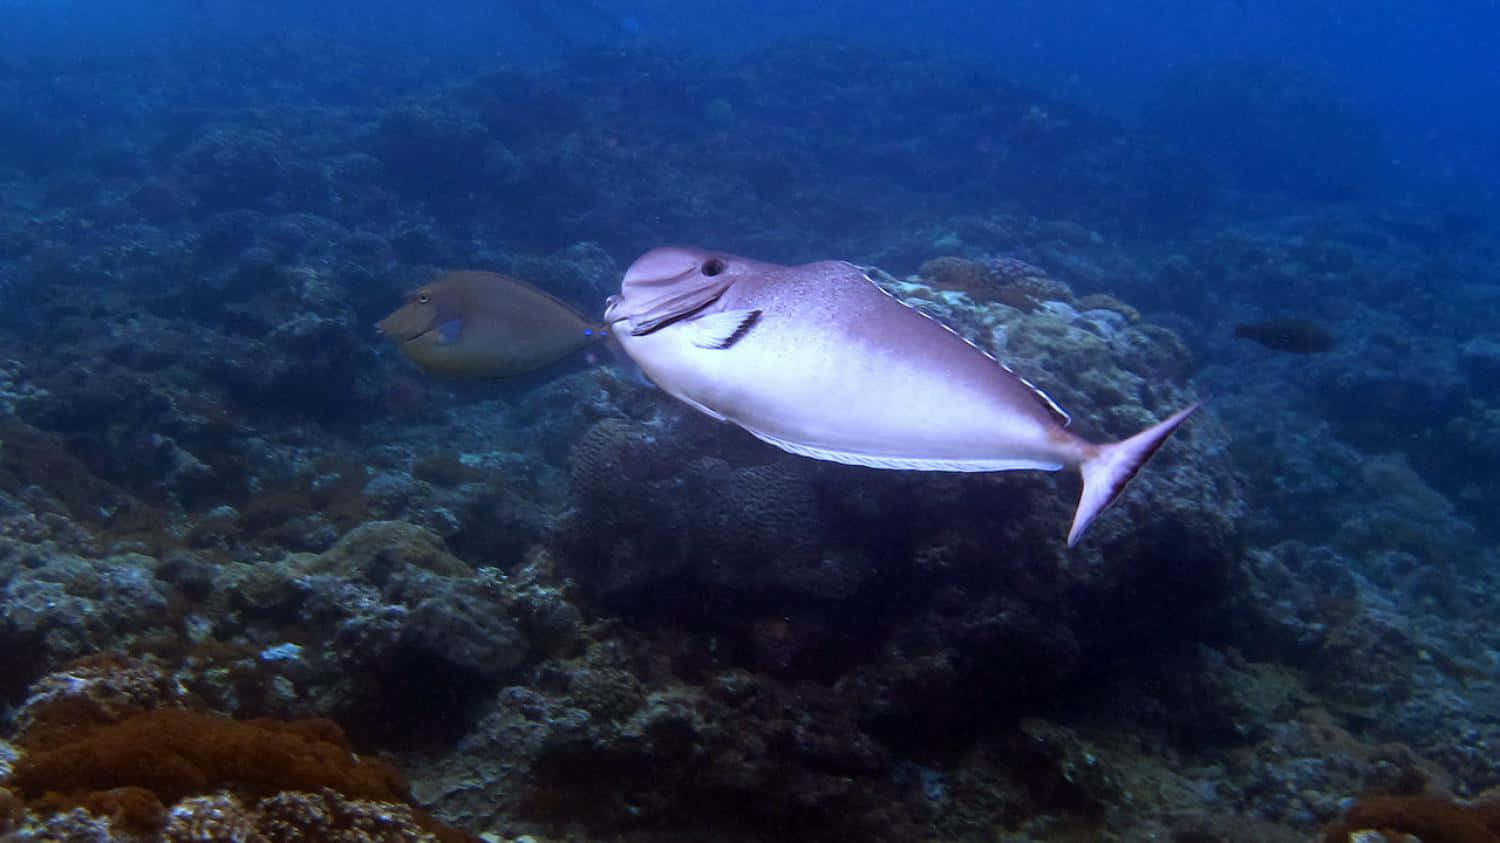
(679,306)
(1058,413)
(722,330)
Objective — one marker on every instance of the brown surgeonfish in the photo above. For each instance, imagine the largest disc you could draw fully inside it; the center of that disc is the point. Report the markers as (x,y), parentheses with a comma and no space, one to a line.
(1298,336)
(485,325)
(820,361)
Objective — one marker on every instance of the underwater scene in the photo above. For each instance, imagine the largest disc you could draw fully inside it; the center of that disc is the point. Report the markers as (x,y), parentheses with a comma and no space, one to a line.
(638,421)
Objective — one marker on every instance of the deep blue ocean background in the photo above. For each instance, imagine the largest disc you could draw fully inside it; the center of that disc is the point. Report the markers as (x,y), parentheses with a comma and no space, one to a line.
(564,607)
(1422,73)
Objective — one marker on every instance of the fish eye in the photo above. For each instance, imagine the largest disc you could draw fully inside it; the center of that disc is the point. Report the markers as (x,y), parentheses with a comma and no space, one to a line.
(424,297)
(712,267)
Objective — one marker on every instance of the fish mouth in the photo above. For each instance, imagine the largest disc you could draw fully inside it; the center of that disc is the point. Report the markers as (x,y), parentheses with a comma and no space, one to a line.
(398,338)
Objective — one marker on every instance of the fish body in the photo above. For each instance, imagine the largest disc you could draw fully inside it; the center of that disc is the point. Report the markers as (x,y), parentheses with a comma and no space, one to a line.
(820,361)
(1297,336)
(483,324)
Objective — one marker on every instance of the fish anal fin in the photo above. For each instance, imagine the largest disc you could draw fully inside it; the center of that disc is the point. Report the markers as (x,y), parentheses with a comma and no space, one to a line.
(674,308)
(724,329)
(711,413)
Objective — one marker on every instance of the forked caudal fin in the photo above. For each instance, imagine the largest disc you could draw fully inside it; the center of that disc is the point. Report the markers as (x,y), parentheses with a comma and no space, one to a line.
(1106,473)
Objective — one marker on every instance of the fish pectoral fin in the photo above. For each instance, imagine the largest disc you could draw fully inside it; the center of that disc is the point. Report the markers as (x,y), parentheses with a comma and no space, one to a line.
(674,308)
(722,330)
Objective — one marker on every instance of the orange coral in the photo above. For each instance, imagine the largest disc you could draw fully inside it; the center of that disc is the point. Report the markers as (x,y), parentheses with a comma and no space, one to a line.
(96,690)
(1431,818)
(120,738)
(181,753)
(128,770)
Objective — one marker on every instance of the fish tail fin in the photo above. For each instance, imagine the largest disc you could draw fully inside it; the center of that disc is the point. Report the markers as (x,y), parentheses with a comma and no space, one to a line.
(1107,472)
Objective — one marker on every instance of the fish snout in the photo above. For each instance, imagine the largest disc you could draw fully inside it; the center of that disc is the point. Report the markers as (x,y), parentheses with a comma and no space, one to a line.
(663,265)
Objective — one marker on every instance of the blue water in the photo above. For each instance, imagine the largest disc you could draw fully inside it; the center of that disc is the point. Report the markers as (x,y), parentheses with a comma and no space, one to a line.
(568,605)
(1423,72)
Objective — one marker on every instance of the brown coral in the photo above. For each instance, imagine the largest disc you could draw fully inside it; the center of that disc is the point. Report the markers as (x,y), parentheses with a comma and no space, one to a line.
(97,690)
(1104,301)
(960,275)
(176,754)
(10,811)
(1016,296)
(363,553)
(130,809)
(38,466)
(1433,819)
(1009,281)
(128,771)
(336,491)
(447,470)
(1028,279)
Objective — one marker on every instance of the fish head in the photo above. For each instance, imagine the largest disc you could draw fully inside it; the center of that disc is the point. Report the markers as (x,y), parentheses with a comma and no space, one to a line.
(672,283)
(430,321)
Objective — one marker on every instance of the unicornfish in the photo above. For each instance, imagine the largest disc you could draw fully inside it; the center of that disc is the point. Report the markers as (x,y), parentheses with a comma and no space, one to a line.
(820,361)
(482,324)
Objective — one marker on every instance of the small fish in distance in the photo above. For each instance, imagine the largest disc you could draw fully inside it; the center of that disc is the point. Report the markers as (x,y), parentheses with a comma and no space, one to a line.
(485,325)
(820,361)
(1297,336)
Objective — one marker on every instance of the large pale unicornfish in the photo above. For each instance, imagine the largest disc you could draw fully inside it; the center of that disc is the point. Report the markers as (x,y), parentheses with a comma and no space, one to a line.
(820,361)
(482,324)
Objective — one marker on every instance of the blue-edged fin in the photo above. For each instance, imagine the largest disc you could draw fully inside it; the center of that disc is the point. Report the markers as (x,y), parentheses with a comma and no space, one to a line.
(1112,466)
(722,330)
(673,308)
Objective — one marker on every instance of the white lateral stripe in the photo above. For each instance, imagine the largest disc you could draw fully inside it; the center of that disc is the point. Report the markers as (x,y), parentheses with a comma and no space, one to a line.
(903,463)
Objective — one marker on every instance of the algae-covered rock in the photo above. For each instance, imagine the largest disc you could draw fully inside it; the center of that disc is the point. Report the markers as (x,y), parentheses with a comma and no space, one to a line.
(373,550)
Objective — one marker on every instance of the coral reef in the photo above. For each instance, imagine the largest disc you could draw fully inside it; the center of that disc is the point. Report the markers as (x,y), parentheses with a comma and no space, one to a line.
(175,754)
(116,744)
(570,609)
(748,528)
(1431,819)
